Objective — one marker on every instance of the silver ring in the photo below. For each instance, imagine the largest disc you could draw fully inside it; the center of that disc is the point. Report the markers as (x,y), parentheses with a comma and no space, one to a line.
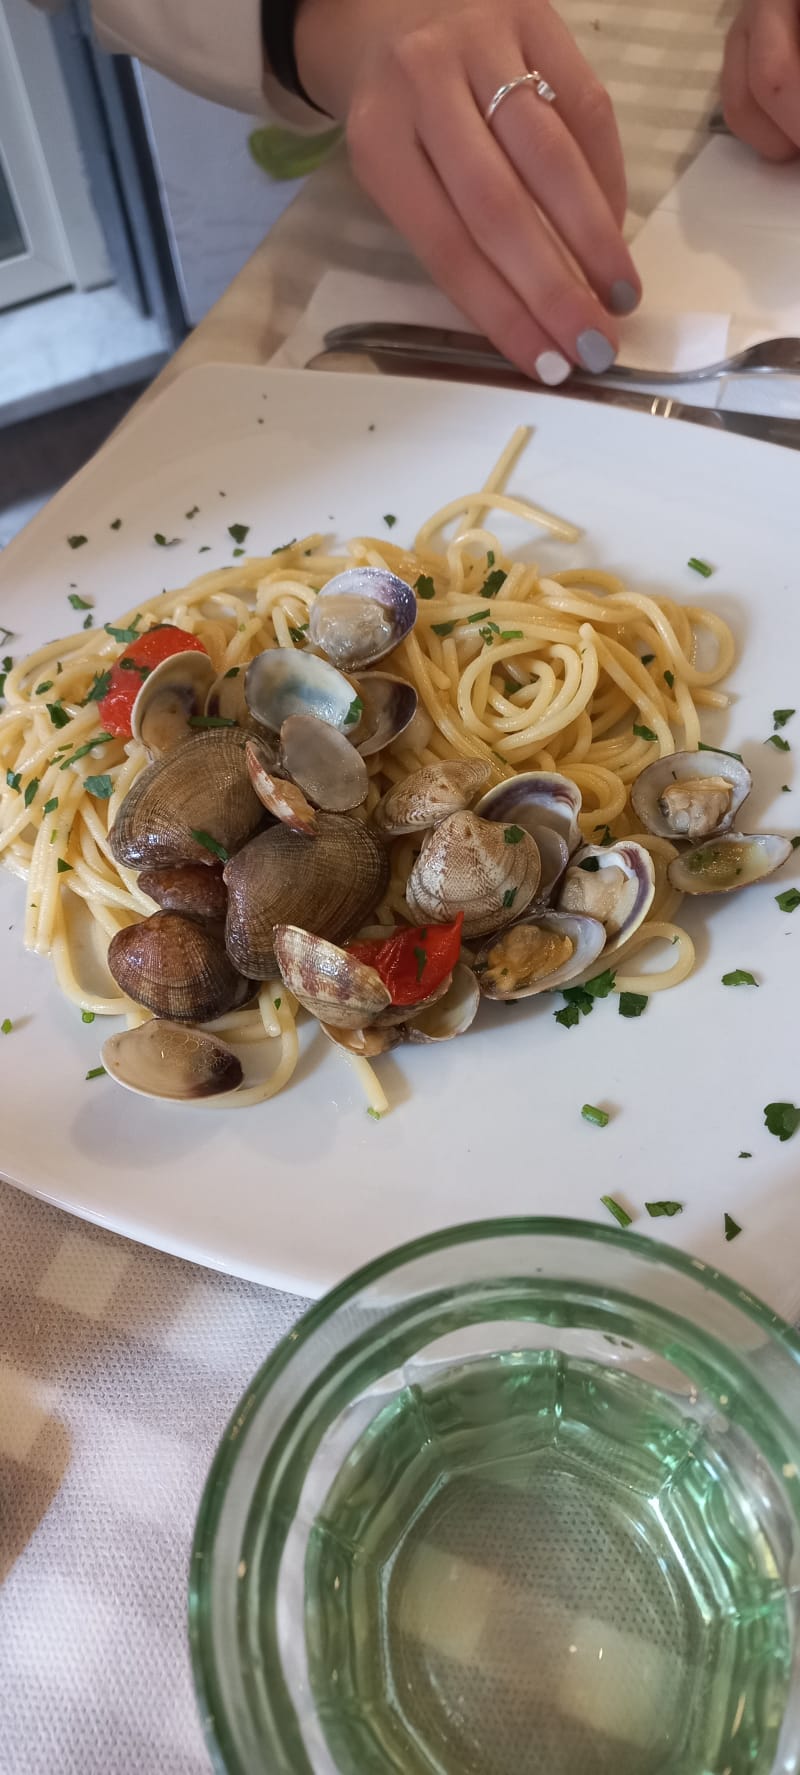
(534,79)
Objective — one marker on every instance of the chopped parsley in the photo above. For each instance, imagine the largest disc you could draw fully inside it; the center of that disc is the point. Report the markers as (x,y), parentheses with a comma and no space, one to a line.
(210,721)
(510,688)
(277,1003)
(788,901)
(669,678)
(238,531)
(101,787)
(31,791)
(374,1114)
(98,688)
(509,897)
(51,805)
(87,1016)
(478,616)
(794,842)
(443,628)
(425,587)
(132,665)
(47,684)
(657,1209)
(238,551)
(124,636)
(420,957)
(95,1072)
(6,1026)
(77,602)
(210,844)
(488,631)
(601,985)
(116,524)
(620,1214)
(354,712)
(702,747)
(193,512)
(578,999)
(62,866)
(732,1228)
(493,581)
(632,1004)
(780,744)
(599,1118)
(782,1119)
(590,864)
(233,671)
(781,716)
(568,1016)
(88,746)
(58,714)
(389,520)
(745,1155)
(510,634)
(739,977)
(88,621)
(77,542)
(14,779)
(699,566)
(283,546)
(642,732)
(165,542)
(512,834)
(204,549)
(297,635)
(606,835)
(647,659)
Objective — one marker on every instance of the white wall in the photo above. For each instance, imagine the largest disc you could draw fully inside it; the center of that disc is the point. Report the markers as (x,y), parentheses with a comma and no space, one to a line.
(220,204)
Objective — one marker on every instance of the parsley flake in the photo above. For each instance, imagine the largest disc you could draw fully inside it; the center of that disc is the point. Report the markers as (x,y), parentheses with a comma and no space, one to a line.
(98,688)
(780,744)
(238,531)
(297,635)
(51,805)
(702,747)
(633,1004)
(579,999)
(210,844)
(601,985)
(14,780)
(644,733)
(116,524)
(739,977)
(599,1118)
(477,616)
(425,587)
(165,542)
(283,546)
(277,1003)
(88,746)
(568,1016)
(657,1209)
(509,897)
(47,684)
(620,1214)
(87,1016)
(374,1114)
(669,678)
(512,834)
(788,901)
(233,671)
(493,582)
(62,866)
(6,1026)
(58,714)
(77,602)
(732,1228)
(647,659)
(745,1155)
(420,957)
(699,566)
(782,1119)
(389,520)
(443,628)
(77,542)
(781,716)
(510,634)
(101,787)
(354,712)
(31,790)
(124,636)
(95,1072)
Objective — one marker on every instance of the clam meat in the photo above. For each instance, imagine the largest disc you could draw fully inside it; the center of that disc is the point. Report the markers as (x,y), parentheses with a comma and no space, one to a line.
(727,861)
(615,885)
(690,794)
(538,954)
(361,615)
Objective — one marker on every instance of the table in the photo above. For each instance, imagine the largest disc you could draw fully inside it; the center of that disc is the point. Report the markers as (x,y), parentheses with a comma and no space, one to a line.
(119,1365)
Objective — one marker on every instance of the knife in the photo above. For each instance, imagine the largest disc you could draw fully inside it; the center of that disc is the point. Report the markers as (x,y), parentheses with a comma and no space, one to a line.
(401,350)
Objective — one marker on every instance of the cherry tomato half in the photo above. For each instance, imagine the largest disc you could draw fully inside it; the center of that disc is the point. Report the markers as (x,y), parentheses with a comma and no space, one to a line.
(412,963)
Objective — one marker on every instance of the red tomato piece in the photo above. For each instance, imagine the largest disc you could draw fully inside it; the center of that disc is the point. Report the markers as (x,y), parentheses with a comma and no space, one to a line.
(132,668)
(412,963)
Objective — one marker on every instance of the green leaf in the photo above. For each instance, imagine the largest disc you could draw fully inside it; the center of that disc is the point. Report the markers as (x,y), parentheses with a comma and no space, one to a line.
(87,1016)
(513,834)
(282,154)
(509,897)
(702,747)
(425,587)
(478,616)
(510,634)
(88,621)
(354,712)
(238,552)
(599,1118)
(233,671)
(632,1004)
(14,780)
(124,636)
(47,684)
(238,531)
(116,524)
(283,546)
(165,542)
(669,678)
(83,751)
(739,977)
(98,688)
(657,1209)
(578,997)
(780,744)
(95,1072)
(443,628)
(782,1119)
(374,1114)
(788,901)
(420,957)
(601,985)
(31,791)
(732,1228)
(510,688)
(77,602)
(62,866)
(647,659)
(210,844)
(642,732)
(51,805)
(297,635)
(607,836)
(699,566)
(493,582)
(101,787)
(58,715)
(389,520)
(568,1016)
(781,716)
(77,542)
(745,1155)
(620,1214)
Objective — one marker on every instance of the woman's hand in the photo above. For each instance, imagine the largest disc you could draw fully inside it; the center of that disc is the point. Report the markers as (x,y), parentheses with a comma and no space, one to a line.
(761,77)
(518,221)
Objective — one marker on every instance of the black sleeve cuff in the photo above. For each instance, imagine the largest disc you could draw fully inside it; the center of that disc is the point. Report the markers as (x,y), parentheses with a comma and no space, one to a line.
(277,29)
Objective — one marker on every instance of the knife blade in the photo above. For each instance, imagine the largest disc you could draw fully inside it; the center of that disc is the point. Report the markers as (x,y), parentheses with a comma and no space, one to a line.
(438,351)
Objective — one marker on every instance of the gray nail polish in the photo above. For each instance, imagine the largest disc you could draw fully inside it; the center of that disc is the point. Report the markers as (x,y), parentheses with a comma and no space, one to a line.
(595,351)
(551,367)
(624,298)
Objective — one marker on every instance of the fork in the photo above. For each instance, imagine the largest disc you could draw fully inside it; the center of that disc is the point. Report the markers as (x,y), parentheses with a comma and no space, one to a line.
(770,357)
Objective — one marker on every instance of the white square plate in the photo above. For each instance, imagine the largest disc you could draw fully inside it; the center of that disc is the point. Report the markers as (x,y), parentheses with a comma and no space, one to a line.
(299,1191)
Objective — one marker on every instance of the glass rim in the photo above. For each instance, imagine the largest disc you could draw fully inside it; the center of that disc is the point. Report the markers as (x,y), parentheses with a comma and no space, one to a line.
(212,1500)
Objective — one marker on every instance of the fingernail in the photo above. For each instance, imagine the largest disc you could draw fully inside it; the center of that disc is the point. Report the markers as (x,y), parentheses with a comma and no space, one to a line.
(551,367)
(624,298)
(595,351)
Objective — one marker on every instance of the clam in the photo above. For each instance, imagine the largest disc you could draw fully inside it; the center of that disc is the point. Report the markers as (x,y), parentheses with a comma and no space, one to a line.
(389,707)
(615,885)
(450,1015)
(538,954)
(172,694)
(333,985)
(547,806)
(187,887)
(429,795)
(164,1059)
(202,786)
(488,871)
(690,794)
(728,860)
(360,615)
(323,763)
(226,698)
(395,1014)
(177,968)
(328,884)
(281,798)
(281,682)
(367,1044)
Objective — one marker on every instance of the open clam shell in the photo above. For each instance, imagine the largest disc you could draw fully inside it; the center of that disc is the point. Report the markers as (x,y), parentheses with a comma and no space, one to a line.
(171,694)
(367,1044)
(360,615)
(615,884)
(466,864)
(537,800)
(728,861)
(389,707)
(333,985)
(169,1060)
(280,797)
(429,795)
(538,954)
(690,794)
(282,681)
(450,1015)
(330,772)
